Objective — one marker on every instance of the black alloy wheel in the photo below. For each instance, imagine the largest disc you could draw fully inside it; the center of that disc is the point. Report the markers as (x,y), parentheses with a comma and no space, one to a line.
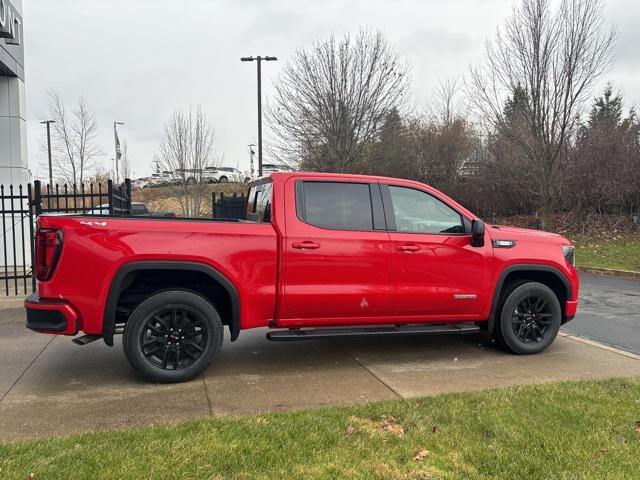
(174,338)
(529,318)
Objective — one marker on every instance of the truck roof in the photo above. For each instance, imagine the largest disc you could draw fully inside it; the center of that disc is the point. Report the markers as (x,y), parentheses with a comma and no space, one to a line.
(339,176)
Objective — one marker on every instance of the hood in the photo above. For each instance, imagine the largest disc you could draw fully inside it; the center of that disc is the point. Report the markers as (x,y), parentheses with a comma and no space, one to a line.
(503,232)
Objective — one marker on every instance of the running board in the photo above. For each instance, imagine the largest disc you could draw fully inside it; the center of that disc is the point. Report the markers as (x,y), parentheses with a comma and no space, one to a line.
(85,339)
(315,333)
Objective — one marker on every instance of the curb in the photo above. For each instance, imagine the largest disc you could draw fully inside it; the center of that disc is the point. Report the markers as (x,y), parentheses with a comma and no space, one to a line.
(593,343)
(610,271)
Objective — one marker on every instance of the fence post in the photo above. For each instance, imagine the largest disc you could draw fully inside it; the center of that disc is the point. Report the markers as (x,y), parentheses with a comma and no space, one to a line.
(222,212)
(31,236)
(127,186)
(213,204)
(37,197)
(110,195)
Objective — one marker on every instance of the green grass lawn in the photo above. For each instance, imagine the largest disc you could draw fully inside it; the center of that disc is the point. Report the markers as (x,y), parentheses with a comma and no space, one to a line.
(621,253)
(577,430)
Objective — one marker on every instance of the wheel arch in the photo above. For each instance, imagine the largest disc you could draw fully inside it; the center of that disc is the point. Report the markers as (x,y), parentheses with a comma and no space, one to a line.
(119,284)
(545,274)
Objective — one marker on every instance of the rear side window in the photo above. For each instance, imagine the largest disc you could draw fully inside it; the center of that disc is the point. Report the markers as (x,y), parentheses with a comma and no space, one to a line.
(259,203)
(335,205)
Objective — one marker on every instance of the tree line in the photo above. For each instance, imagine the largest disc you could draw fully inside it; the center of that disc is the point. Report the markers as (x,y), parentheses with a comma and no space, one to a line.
(522,133)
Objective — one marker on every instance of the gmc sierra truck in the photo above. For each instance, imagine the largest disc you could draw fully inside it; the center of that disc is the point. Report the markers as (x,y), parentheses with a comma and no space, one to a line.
(317,255)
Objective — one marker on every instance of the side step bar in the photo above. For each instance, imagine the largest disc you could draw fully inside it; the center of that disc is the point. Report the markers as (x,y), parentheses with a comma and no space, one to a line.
(315,333)
(85,339)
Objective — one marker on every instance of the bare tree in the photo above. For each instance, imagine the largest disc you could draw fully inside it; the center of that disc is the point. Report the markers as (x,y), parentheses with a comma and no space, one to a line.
(125,161)
(332,99)
(187,147)
(446,105)
(73,140)
(554,57)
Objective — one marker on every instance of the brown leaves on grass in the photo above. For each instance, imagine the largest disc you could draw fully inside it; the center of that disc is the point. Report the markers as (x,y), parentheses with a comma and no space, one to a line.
(637,425)
(421,455)
(388,425)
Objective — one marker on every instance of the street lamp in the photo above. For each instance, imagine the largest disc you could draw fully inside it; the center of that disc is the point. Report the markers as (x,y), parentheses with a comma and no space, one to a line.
(259,59)
(118,151)
(48,124)
(252,154)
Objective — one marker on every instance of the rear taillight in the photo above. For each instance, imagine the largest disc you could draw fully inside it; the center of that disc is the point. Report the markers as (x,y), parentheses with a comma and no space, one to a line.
(48,247)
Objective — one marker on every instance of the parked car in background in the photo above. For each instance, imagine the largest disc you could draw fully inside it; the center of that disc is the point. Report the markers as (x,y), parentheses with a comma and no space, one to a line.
(222,175)
(268,168)
(319,255)
(140,183)
(138,209)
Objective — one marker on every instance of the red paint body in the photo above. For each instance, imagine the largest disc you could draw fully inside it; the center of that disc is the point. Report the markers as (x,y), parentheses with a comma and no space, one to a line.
(347,277)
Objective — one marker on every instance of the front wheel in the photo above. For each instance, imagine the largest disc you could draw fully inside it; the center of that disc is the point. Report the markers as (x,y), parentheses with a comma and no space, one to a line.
(172,336)
(530,318)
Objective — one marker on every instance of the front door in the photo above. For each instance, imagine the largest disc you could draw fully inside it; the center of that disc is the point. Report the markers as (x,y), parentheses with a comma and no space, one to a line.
(337,252)
(435,272)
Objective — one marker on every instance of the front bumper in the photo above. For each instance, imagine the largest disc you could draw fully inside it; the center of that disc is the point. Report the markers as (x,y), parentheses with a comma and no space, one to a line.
(50,316)
(570,309)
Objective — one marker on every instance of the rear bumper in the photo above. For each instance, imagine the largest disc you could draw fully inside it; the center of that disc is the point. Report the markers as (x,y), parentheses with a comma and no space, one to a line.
(50,316)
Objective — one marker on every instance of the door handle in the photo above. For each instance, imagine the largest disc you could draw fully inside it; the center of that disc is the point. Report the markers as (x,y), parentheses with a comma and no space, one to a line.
(307,245)
(408,248)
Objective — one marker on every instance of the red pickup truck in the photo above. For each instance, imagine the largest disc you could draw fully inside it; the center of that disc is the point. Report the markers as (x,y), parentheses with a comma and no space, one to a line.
(318,255)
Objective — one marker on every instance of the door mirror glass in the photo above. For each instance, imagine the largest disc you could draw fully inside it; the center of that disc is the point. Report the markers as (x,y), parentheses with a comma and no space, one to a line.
(477,233)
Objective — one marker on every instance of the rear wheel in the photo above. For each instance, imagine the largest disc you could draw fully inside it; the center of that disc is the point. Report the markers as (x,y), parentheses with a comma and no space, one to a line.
(530,318)
(172,336)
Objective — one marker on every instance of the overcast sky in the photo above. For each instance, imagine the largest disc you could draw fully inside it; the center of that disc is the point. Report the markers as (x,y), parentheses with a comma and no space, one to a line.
(136,61)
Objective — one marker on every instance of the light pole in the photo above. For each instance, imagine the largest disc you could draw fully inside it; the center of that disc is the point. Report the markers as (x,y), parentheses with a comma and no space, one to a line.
(48,124)
(118,151)
(252,154)
(259,59)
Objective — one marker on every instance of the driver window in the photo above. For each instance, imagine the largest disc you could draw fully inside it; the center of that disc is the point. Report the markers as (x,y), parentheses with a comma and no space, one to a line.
(418,212)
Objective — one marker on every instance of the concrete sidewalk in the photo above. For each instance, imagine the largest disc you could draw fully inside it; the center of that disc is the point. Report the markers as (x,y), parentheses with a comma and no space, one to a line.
(48,386)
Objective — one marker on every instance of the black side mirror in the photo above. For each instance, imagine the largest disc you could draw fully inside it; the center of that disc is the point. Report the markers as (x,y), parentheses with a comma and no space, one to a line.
(477,233)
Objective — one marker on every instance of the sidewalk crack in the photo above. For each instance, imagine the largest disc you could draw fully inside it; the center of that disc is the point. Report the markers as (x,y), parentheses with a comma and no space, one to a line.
(344,350)
(27,369)
(206,394)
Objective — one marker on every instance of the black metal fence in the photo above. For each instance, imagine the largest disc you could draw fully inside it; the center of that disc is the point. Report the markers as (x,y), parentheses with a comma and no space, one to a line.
(87,199)
(19,207)
(228,206)
(17,240)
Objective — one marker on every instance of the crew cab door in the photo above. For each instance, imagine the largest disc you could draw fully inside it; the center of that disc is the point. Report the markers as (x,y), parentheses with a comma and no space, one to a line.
(435,272)
(336,252)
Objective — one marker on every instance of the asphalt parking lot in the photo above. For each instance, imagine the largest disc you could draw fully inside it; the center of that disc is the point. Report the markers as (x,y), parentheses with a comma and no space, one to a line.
(49,386)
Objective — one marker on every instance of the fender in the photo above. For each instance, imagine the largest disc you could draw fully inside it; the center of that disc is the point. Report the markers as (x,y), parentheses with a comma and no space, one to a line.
(109,317)
(523,267)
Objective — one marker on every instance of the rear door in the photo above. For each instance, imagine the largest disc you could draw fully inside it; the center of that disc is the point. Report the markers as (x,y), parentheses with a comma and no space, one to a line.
(435,272)
(337,252)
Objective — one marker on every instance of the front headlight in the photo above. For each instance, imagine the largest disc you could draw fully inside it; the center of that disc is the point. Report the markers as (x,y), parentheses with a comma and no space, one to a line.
(569,252)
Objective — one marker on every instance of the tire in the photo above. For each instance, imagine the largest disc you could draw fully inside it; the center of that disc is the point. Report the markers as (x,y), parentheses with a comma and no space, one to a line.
(224,180)
(172,336)
(530,318)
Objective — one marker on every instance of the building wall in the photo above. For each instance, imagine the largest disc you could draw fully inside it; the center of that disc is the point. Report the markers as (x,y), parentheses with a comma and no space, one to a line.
(13,127)
(13,132)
